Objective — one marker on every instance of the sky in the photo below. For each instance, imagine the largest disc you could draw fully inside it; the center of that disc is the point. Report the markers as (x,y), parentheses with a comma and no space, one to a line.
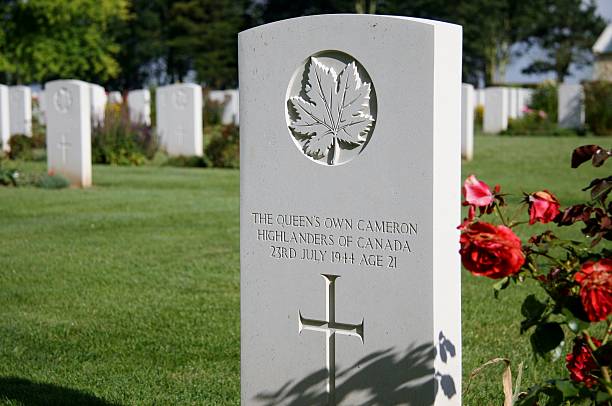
(514,75)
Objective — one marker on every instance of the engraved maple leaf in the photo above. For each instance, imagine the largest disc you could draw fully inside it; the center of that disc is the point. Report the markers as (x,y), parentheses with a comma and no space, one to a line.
(334,112)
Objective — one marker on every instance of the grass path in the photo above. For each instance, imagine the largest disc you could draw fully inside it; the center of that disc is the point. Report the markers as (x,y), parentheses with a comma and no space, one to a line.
(128,293)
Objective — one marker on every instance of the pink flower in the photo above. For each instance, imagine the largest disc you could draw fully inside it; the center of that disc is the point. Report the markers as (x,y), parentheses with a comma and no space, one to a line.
(476,192)
(542,114)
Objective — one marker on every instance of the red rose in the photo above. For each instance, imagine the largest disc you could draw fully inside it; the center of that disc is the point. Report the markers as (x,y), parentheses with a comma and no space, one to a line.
(543,207)
(476,192)
(581,364)
(489,250)
(595,280)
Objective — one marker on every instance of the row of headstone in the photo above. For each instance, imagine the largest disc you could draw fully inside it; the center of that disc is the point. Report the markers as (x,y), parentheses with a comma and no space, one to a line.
(502,104)
(570,106)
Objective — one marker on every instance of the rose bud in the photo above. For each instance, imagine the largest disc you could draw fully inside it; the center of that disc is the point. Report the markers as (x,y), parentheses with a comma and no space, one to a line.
(492,251)
(595,280)
(543,207)
(476,192)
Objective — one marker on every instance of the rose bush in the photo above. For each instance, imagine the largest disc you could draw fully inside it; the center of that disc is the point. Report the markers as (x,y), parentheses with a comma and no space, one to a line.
(575,276)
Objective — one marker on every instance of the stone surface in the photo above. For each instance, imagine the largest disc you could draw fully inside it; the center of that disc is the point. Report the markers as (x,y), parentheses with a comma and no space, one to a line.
(98,101)
(480,97)
(512,102)
(570,113)
(5,129)
(139,105)
(467,121)
(20,110)
(179,119)
(69,130)
(496,110)
(115,97)
(230,113)
(521,102)
(39,111)
(350,275)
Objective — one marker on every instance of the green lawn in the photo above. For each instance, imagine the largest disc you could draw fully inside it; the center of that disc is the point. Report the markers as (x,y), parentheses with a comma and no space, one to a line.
(128,293)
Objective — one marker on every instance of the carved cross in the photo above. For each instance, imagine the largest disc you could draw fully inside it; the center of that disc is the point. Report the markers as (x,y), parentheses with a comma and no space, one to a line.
(64,145)
(330,327)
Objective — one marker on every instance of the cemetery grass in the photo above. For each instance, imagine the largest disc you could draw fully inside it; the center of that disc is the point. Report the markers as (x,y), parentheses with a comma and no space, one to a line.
(128,293)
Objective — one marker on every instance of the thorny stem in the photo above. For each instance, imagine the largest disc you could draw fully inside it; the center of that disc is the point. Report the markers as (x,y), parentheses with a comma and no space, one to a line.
(605,370)
(608,332)
(501,216)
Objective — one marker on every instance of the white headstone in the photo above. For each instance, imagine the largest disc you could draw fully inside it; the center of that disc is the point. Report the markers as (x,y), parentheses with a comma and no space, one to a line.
(5,129)
(528,97)
(179,119)
(69,130)
(115,98)
(512,102)
(521,102)
(570,113)
(98,100)
(467,121)
(480,97)
(139,104)
(20,110)
(350,174)
(42,107)
(496,110)
(230,98)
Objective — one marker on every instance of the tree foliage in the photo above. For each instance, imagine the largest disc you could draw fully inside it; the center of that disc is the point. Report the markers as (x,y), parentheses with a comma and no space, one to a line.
(48,39)
(565,31)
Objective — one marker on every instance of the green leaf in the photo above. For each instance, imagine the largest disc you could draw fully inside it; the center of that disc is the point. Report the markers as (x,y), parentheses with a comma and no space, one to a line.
(602,397)
(546,338)
(567,388)
(500,285)
(574,323)
(532,309)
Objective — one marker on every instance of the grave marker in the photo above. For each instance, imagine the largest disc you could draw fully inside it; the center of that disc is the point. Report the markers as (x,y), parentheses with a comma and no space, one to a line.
(179,119)
(69,130)
(570,113)
(20,110)
(98,100)
(350,174)
(139,105)
(5,129)
(230,113)
(467,121)
(496,110)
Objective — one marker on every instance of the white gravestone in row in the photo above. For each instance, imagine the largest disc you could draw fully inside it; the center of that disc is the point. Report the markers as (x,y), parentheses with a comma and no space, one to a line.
(5,129)
(230,98)
(42,107)
(350,155)
(69,130)
(20,110)
(496,110)
(98,101)
(139,105)
(467,121)
(179,119)
(570,113)
(521,97)
(115,98)
(512,102)
(480,97)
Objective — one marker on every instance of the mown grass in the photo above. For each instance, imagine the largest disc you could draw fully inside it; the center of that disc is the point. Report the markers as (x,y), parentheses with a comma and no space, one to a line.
(128,293)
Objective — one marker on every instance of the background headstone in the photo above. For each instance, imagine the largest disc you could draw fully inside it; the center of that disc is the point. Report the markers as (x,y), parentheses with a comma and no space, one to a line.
(5,129)
(371,157)
(512,102)
(467,121)
(179,119)
(115,98)
(20,110)
(69,130)
(139,105)
(40,114)
(98,101)
(496,110)
(480,97)
(570,111)
(230,98)
(521,97)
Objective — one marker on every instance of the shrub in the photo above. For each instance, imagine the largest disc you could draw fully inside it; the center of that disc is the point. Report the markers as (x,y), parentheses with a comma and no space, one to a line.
(478,116)
(213,112)
(535,122)
(598,106)
(545,99)
(21,147)
(8,176)
(119,142)
(223,146)
(52,181)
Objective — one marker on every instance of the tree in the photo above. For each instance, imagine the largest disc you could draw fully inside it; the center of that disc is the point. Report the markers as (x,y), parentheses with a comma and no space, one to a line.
(565,31)
(49,39)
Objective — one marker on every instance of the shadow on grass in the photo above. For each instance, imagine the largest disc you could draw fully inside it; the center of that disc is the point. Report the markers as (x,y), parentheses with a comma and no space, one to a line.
(30,393)
(418,384)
